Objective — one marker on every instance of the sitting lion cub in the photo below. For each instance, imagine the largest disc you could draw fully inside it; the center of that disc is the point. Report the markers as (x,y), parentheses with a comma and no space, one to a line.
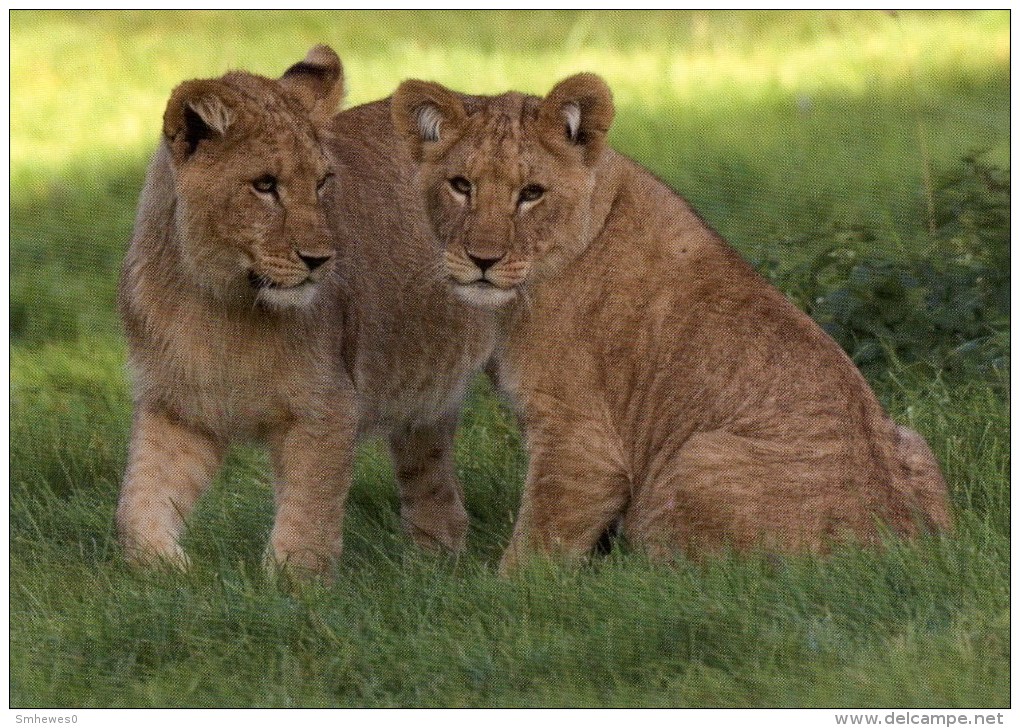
(663,384)
(272,291)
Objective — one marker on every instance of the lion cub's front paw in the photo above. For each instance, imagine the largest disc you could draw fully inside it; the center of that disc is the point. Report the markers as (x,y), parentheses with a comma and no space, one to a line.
(436,531)
(298,564)
(169,557)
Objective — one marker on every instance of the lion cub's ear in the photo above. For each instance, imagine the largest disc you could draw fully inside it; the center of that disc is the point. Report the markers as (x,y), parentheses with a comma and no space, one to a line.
(578,112)
(318,81)
(198,111)
(425,113)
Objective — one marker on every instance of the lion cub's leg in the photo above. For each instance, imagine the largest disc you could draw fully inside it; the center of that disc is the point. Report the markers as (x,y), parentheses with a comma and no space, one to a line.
(313,461)
(575,488)
(169,466)
(431,501)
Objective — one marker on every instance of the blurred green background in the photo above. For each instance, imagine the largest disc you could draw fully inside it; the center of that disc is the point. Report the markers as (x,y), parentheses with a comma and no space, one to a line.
(859,159)
(771,123)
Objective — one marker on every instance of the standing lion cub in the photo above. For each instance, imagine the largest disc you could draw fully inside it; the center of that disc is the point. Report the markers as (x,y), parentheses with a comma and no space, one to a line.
(273,290)
(663,384)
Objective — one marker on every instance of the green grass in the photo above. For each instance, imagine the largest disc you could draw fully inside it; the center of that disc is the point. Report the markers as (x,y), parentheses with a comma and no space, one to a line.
(774,125)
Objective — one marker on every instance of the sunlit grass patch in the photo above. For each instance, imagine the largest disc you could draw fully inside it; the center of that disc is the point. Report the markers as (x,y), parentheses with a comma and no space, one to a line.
(694,61)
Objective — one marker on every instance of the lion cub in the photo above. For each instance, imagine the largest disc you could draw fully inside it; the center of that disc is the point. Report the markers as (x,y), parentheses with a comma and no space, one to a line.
(662,383)
(230,308)
(273,291)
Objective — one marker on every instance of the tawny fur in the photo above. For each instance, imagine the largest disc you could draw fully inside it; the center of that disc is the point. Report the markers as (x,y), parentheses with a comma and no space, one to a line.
(233,335)
(411,343)
(661,381)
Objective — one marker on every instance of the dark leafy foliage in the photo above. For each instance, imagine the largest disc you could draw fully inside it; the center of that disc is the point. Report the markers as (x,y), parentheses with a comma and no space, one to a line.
(947,307)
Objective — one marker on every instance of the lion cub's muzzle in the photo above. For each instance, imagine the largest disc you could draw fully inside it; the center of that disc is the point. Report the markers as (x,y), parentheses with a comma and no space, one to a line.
(295,285)
(485,282)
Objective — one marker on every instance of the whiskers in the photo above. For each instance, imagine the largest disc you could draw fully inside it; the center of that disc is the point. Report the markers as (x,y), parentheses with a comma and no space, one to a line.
(526,295)
(438,270)
(431,271)
(255,303)
(503,283)
(460,269)
(509,273)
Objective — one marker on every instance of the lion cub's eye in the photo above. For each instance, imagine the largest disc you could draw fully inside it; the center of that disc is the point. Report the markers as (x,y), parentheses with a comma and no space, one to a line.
(530,193)
(460,185)
(266,184)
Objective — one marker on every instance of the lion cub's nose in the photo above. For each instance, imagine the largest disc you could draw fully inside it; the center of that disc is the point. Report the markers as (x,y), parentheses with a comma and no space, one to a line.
(484,263)
(313,261)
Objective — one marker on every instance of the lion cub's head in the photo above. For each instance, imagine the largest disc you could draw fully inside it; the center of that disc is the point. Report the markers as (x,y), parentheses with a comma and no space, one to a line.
(507,180)
(249,175)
